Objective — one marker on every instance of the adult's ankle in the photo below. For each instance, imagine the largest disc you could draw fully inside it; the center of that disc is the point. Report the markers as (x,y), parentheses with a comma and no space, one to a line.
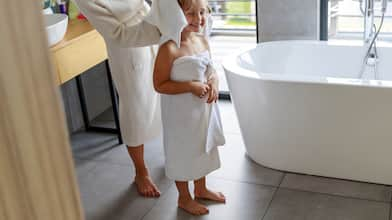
(142,171)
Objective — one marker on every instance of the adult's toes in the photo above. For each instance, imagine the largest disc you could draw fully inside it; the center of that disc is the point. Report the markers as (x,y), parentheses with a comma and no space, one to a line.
(151,193)
(157,193)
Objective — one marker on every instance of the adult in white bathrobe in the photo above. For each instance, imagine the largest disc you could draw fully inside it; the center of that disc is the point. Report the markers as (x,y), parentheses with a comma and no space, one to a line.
(131,58)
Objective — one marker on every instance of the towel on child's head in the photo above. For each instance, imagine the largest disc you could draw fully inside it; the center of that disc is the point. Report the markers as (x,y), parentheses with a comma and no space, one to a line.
(168,17)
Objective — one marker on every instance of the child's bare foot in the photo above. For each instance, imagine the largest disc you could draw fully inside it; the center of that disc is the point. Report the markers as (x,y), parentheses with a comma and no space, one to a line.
(146,187)
(192,207)
(210,195)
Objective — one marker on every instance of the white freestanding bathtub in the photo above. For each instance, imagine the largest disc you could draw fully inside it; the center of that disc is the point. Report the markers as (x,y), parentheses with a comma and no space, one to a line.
(302,108)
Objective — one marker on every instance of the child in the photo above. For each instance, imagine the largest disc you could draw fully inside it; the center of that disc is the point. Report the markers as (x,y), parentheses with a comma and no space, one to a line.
(191,123)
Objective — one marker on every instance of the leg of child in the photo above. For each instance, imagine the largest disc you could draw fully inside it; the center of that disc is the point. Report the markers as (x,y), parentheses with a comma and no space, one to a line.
(186,202)
(201,192)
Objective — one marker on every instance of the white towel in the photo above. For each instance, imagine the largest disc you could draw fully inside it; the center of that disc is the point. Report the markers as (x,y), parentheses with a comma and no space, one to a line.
(168,17)
(215,135)
(190,149)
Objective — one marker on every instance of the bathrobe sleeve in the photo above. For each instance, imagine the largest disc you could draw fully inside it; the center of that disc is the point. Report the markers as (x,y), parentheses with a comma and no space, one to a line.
(120,21)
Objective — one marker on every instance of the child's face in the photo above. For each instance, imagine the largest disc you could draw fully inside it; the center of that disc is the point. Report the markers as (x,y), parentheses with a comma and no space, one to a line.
(196,15)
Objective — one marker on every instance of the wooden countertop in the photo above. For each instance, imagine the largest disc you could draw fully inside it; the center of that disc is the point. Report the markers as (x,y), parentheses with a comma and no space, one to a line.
(82,48)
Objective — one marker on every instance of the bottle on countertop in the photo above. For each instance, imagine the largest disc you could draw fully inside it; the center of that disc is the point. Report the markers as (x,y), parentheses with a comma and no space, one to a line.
(62,4)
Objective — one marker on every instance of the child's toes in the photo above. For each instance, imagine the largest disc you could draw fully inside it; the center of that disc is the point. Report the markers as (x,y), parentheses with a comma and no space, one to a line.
(193,207)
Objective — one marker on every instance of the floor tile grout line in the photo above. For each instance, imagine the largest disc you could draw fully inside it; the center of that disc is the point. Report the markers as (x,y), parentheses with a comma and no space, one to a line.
(390,209)
(258,184)
(107,151)
(130,165)
(245,182)
(102,160)
(269,204)
(328,194)
(155,203)
(91,170)
(88,171)
(390,199)
(279,187)
(281,181)
(273,196)
(108,162)
(299,190)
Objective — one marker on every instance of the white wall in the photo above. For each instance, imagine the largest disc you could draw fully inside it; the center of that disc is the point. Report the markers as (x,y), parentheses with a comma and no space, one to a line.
(288,20)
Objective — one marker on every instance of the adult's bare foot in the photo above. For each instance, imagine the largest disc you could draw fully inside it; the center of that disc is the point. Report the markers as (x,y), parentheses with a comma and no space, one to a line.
(146,187)
(210,195)
(191,206)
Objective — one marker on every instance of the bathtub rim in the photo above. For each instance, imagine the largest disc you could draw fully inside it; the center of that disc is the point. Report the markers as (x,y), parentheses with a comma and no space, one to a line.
(231,66)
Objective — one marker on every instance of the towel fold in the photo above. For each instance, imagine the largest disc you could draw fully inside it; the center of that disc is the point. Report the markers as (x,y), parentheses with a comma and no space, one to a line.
(215,135)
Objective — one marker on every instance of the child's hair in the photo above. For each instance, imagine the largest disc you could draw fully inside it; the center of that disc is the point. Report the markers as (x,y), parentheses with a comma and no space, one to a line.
(188,3)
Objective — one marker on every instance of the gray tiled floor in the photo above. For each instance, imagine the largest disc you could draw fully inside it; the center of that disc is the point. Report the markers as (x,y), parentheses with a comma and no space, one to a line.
(297,205)
(105,175)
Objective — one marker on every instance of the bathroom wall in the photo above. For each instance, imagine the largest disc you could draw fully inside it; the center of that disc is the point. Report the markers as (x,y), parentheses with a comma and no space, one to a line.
(288,20)
(97,96)
(278,20)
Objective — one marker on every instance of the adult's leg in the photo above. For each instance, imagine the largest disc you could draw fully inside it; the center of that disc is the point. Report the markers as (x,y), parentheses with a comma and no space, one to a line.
(186,202)
(144,183)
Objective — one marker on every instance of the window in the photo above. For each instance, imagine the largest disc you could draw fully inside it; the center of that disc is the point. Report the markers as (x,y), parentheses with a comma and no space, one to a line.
(345,20)
(234,28)
(234,14)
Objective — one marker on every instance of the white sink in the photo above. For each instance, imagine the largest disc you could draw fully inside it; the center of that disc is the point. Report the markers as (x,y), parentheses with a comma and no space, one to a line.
(56,26)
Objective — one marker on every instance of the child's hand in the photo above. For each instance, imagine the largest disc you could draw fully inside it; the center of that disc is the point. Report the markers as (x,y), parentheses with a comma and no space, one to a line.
(199,89)
(214,92)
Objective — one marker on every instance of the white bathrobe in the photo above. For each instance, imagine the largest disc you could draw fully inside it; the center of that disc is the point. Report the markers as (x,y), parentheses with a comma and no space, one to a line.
(120,23)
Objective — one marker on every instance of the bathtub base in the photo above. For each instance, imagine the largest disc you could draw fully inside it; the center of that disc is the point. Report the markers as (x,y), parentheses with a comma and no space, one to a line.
(372,176)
